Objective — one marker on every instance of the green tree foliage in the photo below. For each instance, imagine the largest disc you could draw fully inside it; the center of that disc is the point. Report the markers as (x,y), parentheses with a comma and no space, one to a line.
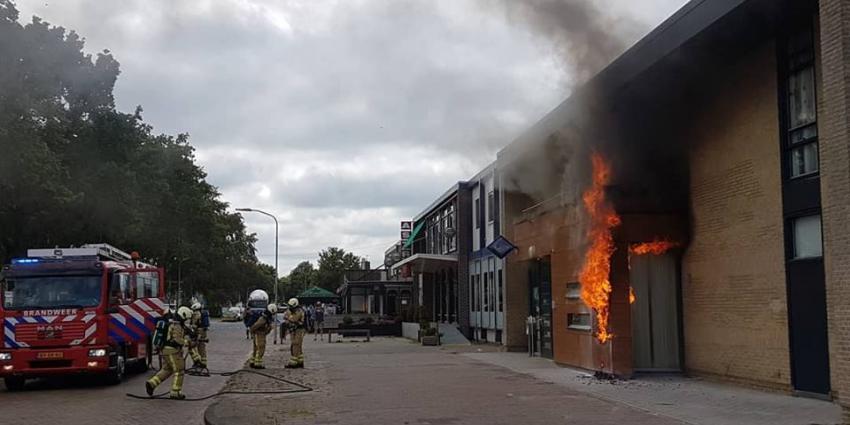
(333,262)
(74,170)
(303,276)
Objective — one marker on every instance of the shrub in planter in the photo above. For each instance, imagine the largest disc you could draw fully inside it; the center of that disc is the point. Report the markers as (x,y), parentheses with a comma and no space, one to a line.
(368,320)
(347,320)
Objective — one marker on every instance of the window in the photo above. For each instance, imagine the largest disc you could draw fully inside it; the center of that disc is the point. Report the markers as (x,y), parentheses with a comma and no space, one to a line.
(807,237)
(476,212)
(148,284)
(804,160)
(121,289)
(802,107)
(491,267)
(486,306)
(501,292)
(38,292)
(490,206)
(578,321)
(573,291)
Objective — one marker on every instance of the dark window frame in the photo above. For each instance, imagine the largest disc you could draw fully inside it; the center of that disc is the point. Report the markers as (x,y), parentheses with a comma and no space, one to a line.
(795,62)
(491,205)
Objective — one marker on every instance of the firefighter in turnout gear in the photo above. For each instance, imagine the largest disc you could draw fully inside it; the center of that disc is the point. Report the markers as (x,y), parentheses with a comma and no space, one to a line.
(260,330)
(172,355)
(295,324)
(199,351)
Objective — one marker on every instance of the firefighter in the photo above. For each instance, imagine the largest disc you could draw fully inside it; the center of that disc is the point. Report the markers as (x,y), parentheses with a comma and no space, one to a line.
(260,330)
(295,323)
(200,327)
(172,355)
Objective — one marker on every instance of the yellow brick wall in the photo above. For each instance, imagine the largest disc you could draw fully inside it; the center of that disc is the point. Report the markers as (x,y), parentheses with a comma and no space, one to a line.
(733,277)
(834,128)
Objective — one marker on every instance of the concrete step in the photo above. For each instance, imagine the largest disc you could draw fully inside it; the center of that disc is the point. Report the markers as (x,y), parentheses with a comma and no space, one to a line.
(451,335)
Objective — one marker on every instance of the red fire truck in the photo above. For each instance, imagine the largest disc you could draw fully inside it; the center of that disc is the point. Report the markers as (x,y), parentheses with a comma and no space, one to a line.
(90,309)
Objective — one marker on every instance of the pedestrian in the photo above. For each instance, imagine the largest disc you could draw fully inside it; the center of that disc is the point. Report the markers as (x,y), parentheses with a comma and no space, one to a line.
(172,355)
(320,320)
(311,318)
(199,326)
(260,330)
(295,322)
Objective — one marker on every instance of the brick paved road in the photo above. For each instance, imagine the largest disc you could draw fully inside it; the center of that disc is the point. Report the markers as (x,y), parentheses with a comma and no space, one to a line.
(396,382)
(81,401)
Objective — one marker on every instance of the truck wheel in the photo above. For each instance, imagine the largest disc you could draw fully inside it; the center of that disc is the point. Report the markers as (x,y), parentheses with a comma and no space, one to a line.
(14,383)
(116,376)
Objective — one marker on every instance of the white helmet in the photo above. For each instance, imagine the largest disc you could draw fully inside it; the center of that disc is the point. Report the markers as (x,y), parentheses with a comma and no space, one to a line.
(196,306)
(293,302)
(272,308)
(184,313)
(258,295)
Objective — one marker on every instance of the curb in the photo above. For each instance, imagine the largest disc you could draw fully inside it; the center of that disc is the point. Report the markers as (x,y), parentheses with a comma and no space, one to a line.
(207,420)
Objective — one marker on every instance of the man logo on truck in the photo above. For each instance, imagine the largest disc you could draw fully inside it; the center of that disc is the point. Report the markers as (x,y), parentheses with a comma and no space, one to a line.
(49,332)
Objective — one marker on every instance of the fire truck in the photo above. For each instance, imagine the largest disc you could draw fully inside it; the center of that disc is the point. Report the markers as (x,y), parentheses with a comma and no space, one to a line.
(90,310)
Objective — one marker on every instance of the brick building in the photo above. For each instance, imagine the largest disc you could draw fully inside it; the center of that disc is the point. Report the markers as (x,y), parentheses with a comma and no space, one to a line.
(727,132)
(439,259)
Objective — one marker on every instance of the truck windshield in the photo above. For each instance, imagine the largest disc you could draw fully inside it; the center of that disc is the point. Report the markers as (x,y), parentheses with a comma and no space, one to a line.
(52,292)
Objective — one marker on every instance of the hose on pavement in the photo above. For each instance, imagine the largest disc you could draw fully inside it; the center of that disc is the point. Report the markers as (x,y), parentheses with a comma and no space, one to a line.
(300,388)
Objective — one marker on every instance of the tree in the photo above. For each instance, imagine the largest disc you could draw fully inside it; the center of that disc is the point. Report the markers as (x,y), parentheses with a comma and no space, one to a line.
(333,262)
(75,170)
(303,276)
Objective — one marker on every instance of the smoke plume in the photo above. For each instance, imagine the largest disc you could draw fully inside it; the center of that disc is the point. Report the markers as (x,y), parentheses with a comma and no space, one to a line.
(585,38)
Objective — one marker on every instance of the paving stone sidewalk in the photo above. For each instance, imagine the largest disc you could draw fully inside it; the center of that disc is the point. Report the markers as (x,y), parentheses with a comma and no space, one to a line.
(395,381)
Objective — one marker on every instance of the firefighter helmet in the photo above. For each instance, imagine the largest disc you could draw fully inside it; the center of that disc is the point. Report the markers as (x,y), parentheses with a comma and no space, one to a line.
(272,308)
(196,306)
(184,313)
(293,302)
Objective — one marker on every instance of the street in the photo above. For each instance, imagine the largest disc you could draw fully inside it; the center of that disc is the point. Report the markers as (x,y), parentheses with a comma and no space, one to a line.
(86,401)
(394,381)
(397,381)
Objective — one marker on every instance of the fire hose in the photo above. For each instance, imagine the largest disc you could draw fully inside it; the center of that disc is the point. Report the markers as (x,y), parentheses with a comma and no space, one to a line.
(204,372)
(301,388)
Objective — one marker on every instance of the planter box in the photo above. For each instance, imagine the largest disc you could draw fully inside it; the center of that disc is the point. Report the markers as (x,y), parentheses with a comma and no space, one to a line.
(432,340)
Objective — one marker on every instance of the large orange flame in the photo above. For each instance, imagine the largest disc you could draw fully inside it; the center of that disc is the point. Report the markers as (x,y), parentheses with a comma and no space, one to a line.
(656,247)
(594,276)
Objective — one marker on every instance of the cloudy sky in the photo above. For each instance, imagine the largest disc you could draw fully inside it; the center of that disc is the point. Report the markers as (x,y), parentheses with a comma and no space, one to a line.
(340,117)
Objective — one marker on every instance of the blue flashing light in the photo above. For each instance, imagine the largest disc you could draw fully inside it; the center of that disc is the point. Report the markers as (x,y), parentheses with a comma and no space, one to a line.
(25,260)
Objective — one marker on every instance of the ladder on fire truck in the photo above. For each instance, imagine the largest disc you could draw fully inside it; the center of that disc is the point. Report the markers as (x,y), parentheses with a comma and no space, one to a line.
(101,251)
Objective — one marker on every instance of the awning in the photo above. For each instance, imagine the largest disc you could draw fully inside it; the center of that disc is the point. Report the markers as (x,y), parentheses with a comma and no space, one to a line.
(427,263)
(412,236)
(316,292)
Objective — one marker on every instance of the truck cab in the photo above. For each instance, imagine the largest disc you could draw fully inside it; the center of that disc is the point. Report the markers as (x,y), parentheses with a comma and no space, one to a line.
(77,310)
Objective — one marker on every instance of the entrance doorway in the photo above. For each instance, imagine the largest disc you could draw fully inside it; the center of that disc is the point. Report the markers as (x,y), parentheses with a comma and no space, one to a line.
(655,313)
(540,305)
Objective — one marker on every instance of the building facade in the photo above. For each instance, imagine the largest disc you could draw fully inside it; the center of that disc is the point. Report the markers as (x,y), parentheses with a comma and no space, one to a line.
(438,263)
(727,133)
(486,274)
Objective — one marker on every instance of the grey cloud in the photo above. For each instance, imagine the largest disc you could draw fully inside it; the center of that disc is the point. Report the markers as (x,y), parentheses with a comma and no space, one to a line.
(441,82)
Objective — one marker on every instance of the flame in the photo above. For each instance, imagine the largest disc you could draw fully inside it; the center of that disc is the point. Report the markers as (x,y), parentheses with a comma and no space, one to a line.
(595,272)
(656,247)
(632,296)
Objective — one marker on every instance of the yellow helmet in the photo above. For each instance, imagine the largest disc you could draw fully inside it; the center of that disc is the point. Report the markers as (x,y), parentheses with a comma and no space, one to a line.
(184,313)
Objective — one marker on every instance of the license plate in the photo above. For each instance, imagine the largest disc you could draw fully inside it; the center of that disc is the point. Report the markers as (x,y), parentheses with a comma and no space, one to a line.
(50,355)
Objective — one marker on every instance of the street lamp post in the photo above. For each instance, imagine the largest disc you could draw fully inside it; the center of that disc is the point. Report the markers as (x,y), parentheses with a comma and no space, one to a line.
(275,244)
